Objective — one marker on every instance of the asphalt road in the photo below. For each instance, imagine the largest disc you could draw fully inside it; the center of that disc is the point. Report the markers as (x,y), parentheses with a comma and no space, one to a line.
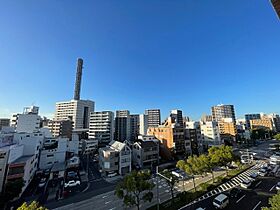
(250,199)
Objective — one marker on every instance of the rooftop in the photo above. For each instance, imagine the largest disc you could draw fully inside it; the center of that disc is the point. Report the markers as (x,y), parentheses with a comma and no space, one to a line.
(22,159)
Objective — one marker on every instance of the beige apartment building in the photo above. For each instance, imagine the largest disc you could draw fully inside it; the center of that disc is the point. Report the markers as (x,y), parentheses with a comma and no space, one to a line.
(171,136)
(264,123)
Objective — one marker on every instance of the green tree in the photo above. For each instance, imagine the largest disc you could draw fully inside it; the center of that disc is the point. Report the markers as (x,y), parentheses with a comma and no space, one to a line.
(32,206)
(207,166)
(134,188)
(171,181)
(277,136)
(192,166)
(221,156)
(274,202)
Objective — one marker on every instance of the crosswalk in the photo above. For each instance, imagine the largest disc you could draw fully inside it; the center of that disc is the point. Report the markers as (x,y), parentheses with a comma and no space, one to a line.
(231,183)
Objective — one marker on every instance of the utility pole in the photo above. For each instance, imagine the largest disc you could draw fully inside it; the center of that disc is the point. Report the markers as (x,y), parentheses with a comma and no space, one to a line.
(157,189)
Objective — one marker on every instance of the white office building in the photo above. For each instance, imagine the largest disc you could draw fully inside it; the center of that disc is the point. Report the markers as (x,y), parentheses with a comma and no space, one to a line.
(101,126)
(76,110)
(28,121)
(143,124)
(210,133)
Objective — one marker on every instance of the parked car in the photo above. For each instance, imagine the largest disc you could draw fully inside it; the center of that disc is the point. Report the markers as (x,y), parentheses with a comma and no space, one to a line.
(235,192)
(246,183)
(278,186)
(72,174)
(112,175)
(72,183)
(253,176)
(262,172)
(221,201)
(42,182)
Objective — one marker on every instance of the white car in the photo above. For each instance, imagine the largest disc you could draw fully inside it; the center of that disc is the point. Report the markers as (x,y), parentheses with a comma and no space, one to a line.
(278,186)
(72,183)
(221,201)
(112,175)
(246,183)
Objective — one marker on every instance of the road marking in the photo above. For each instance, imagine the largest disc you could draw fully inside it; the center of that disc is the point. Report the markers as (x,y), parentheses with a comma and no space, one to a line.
(105,196)
(112,208)
(272,188)
(257,205)
(240,199)
(107,202)
(258,183)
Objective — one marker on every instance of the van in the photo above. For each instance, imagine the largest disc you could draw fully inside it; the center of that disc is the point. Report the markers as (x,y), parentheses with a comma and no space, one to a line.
(221,201)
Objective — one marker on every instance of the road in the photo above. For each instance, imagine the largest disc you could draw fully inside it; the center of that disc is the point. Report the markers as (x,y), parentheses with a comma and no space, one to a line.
(250,199)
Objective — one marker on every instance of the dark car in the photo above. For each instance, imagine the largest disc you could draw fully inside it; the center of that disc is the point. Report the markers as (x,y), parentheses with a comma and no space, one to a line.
(235,192)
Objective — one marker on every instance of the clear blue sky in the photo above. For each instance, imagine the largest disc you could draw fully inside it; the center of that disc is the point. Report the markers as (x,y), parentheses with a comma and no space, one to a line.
(166,54)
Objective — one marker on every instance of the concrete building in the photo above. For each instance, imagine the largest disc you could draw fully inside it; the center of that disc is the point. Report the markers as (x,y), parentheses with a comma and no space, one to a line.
(170,135)
(210,134)
(249,117)
(154,118)
(264,123)
(134,126)
(115,158)
(194,137)
(28,121)
(206,118)
(77,111)
(223,111)
(177,115)
(145,153)
(19,157)
(227,128)
(4,122)
(143,124)
(275,120)
(62,128)
(122,126)
(101,126)
(89,146)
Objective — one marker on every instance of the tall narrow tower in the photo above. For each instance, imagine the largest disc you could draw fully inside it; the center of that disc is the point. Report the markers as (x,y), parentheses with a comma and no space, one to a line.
(78,79)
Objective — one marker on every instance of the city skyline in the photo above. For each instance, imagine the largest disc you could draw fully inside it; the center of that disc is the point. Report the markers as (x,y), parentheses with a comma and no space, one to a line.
(166,59)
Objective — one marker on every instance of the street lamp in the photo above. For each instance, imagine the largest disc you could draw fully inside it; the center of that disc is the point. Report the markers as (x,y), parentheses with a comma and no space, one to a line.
(158,174)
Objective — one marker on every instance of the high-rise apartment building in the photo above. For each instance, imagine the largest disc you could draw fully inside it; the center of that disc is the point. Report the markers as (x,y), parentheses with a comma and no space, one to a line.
(134,126)
(249,117)
(223,111)
(263,123)
(101,126)
(4,122)
(177,115)
(76,110)
(122,126)
(62,128)
(154,119)
(143,124)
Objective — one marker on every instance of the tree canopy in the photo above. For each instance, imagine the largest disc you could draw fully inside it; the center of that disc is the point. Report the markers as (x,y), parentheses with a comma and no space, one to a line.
(277,136)
(32,206)
(134,188)
(274,202)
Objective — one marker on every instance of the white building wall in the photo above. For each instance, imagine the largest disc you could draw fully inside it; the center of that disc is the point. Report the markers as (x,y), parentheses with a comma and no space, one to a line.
(74,110)
(143,124)
(210,133)
(27,123)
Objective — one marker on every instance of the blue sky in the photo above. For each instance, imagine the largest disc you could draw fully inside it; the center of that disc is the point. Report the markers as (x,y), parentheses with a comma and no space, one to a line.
(165,54)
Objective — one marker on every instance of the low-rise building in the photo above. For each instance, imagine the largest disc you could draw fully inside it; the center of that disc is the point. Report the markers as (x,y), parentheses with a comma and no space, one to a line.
(264,123)
(145,153)
(115,158)
(4,123)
